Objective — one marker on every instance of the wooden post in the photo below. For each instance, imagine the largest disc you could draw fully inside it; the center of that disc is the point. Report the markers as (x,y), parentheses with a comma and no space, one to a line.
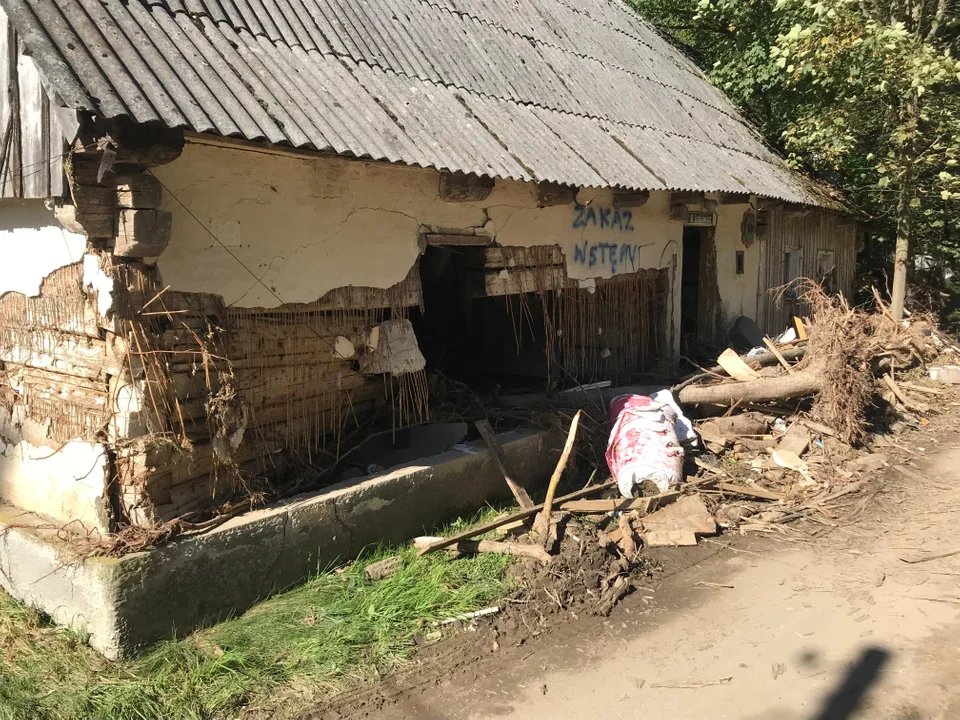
(15,155)
(486,432)
(542,523)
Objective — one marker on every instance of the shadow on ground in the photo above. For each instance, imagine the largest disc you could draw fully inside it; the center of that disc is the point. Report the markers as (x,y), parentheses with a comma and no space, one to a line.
(848,698)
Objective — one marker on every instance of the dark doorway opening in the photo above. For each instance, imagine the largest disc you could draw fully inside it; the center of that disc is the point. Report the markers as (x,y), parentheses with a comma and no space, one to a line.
(487,342)
(690,290)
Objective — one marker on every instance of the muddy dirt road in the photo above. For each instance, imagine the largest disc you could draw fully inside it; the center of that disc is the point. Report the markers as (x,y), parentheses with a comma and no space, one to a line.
(831,628)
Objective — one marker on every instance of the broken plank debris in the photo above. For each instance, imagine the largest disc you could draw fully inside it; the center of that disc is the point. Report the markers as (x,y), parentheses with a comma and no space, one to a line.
(620,504)
(669,538)
(687,514)
(493,525)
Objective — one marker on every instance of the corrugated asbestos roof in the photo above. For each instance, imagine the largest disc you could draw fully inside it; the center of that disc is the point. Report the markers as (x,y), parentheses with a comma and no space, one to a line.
(580,92)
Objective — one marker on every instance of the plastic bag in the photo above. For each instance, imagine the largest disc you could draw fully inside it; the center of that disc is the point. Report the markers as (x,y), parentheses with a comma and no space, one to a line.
(643,446)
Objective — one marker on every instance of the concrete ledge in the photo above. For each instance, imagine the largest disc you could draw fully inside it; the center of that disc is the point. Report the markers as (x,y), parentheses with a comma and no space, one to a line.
(127,603)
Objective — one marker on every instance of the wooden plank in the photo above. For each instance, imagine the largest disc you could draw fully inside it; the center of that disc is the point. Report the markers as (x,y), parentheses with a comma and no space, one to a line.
(907,403)
(507,519)
(796,440)
(493,445)
(669,538)
(801,329)
(773,348)
(526,280)
(818,427)
(688,513)
(14,157)
(921,389)
(539,255)
(735,367)
(442,239)
(642,505)
(472,547)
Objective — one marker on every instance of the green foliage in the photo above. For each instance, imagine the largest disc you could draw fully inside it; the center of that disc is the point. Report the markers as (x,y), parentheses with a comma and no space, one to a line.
(286,652)
(864,94)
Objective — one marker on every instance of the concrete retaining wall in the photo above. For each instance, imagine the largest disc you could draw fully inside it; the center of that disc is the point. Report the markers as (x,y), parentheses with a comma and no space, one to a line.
(139,599)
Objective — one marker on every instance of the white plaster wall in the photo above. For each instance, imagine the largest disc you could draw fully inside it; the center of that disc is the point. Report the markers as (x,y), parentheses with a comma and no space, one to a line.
(65,482)
(305,226)
(66,485)
(33,245)
(738,293)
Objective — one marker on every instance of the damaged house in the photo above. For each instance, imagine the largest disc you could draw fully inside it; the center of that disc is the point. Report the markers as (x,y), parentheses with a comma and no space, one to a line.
(232,231)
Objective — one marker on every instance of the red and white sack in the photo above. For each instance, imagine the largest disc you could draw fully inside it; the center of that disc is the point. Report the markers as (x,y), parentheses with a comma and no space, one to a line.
(643,444)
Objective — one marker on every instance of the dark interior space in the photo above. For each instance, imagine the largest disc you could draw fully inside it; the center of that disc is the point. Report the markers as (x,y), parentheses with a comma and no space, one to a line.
(690,290)
(486,342)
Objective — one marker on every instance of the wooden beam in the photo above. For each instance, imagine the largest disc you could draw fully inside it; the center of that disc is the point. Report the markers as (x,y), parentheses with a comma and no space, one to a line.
(686,198)
(461,187)
(441,239)
(630,199)
(140,191)
(142,233)
(500,257)
(734,198)
(549,194)
(517,281)
(782,360)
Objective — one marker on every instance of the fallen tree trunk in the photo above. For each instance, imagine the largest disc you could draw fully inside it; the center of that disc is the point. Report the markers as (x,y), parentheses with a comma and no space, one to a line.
(805,382)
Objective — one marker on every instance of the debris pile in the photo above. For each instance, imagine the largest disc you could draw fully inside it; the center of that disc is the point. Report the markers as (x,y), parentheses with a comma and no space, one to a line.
(782,433)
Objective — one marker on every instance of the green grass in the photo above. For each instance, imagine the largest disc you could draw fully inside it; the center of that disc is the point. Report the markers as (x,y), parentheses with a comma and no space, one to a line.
(288,651)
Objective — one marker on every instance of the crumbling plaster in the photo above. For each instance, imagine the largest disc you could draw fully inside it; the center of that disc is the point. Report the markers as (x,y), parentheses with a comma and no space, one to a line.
(305,226)
(64,481)
(33,245)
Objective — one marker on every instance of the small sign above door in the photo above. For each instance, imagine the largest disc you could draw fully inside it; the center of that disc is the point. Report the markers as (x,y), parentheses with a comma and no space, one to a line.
(701,219)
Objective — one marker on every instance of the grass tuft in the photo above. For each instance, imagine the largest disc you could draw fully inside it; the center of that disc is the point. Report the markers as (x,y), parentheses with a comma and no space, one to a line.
(335,630)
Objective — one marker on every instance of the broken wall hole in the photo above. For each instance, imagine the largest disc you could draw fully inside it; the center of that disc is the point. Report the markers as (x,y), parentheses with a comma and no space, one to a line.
(471,335)
(510,318)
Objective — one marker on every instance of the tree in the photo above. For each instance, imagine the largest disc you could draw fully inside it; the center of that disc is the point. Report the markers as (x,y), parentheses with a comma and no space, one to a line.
(881,107)
(864,94)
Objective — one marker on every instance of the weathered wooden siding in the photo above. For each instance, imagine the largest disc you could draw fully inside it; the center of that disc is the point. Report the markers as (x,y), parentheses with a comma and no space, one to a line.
(810,233)
(618,329)
(32,137)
